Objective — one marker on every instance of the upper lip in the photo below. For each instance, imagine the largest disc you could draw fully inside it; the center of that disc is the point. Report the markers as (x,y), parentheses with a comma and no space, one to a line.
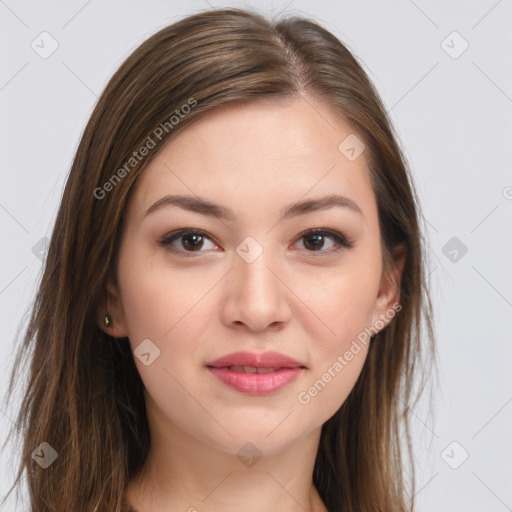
(263,360)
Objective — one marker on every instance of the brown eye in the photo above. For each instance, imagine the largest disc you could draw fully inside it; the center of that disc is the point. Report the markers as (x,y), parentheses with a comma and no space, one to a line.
(191,241)
(315,240)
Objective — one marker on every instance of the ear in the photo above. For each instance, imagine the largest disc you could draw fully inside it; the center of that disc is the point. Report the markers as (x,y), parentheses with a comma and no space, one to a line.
(112,305)
(389,289)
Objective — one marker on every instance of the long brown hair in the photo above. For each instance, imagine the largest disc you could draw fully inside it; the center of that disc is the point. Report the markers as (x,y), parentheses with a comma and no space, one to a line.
(84,396)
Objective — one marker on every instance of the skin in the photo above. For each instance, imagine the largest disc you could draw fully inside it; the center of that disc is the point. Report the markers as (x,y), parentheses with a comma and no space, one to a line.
(255,159)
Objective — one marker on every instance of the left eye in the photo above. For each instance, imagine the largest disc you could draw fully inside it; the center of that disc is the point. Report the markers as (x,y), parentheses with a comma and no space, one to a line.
(318,236)
(192,240)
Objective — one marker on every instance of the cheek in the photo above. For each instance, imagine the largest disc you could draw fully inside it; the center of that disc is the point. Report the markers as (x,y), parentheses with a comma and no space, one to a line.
(156,297)
(172,308)
(329,386)
(166,307)
(344,306)
(341,304)
(339,353)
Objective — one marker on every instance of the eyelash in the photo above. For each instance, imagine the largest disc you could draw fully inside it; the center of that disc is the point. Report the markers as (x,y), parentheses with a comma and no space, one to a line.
(339,239)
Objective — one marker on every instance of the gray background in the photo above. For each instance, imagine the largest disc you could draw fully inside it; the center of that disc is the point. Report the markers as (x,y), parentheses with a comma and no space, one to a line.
(451,110)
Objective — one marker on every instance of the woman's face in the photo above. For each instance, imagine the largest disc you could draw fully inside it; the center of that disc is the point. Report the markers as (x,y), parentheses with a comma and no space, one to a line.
(254,279)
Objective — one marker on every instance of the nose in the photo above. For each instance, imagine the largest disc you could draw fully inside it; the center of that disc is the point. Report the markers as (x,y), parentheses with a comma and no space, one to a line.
(256,295)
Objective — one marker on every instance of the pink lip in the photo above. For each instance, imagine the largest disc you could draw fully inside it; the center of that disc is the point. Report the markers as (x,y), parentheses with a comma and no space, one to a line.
(256,383)
(264,360)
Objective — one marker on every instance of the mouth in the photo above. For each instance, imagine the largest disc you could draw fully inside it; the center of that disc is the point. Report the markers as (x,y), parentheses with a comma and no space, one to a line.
(251,362)
(256,373)
(256,381)
(255,369)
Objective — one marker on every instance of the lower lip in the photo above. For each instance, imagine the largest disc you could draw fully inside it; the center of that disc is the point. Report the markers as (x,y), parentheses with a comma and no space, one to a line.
(256,383)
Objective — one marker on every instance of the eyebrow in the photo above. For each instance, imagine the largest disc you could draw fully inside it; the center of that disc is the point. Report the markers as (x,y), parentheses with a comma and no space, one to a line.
(211,209)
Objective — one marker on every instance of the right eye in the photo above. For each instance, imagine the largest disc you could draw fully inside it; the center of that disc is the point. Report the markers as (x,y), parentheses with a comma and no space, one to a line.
(192,240)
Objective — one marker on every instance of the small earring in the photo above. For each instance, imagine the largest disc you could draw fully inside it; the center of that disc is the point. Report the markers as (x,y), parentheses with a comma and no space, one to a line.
(108,321)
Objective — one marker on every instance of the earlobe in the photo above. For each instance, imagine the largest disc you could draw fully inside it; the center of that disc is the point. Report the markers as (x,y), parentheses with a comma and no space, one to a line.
(109,313)
(389,291)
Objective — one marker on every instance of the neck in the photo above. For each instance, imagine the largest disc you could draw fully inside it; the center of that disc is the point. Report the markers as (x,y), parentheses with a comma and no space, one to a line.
(185,473)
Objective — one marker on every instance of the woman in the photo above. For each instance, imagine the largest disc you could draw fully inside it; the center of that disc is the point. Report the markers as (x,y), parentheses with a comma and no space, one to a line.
(230,311)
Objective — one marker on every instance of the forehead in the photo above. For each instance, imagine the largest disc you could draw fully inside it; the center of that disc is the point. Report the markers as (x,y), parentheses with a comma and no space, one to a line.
(256,154)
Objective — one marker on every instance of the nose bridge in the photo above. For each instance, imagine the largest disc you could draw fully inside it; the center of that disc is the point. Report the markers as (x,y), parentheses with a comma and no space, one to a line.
(254,292)
(252,266)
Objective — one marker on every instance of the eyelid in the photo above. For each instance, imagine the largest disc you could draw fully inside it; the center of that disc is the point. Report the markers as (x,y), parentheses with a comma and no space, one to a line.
(340,239)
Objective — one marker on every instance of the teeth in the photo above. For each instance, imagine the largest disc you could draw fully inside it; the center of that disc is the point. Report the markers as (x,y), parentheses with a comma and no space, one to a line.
(252,369)
(267,370)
